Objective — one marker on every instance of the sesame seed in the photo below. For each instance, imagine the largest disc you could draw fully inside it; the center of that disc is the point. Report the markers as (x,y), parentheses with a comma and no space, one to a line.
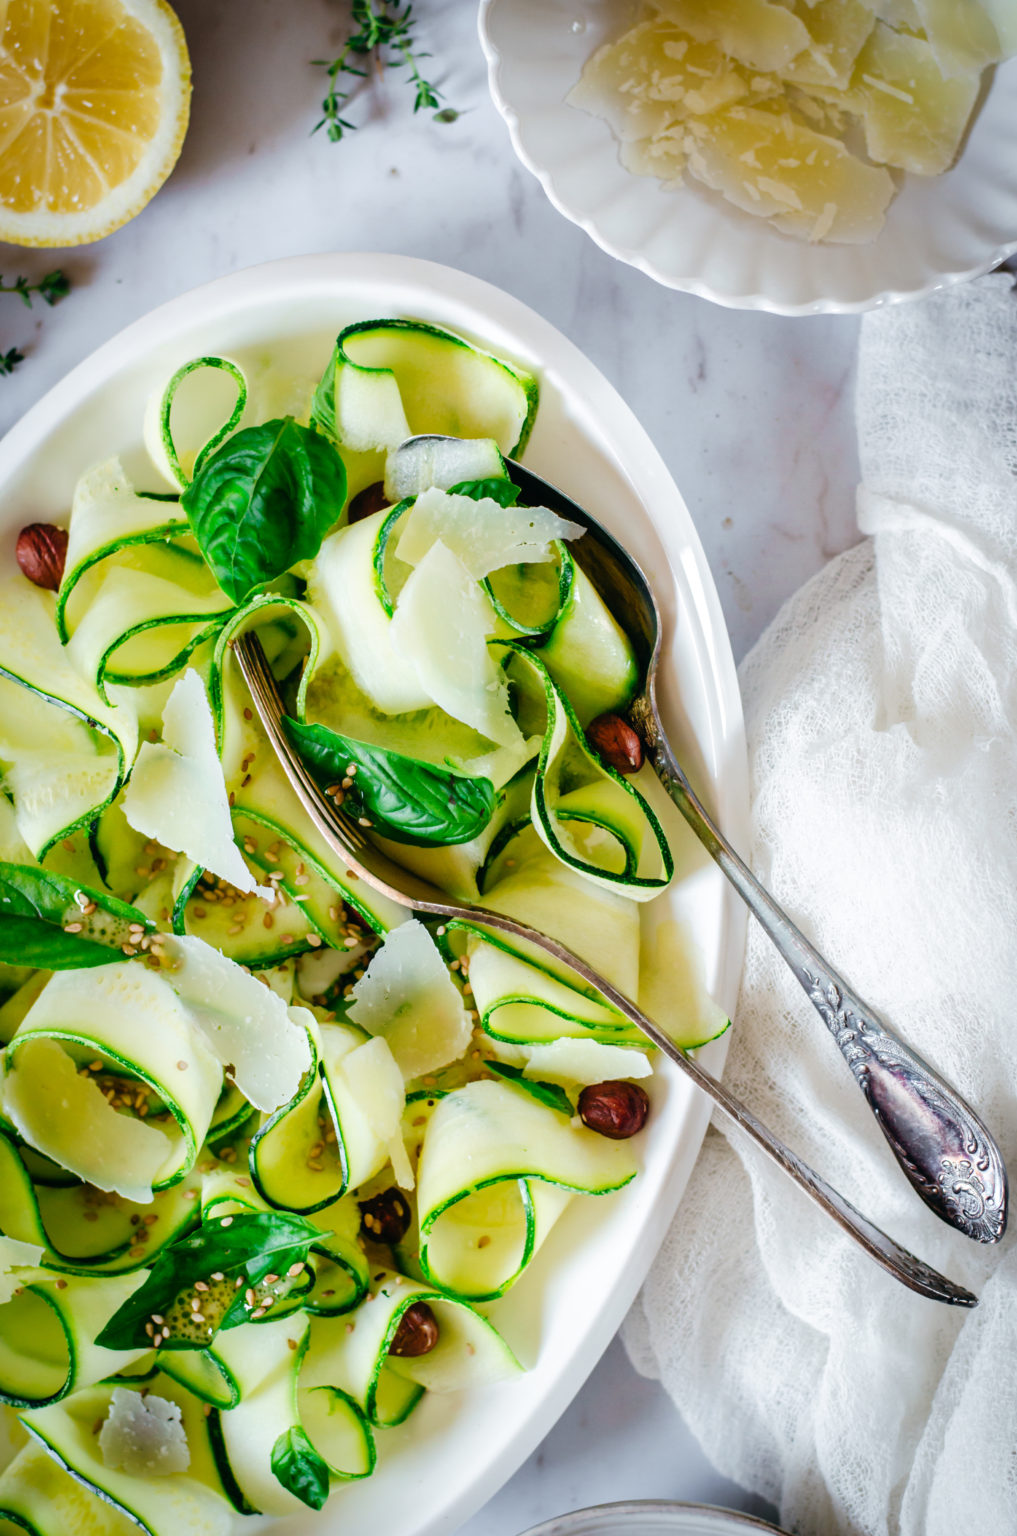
(314,939)
(249,1297)
(483,1242)
(73,927)
(227,1221)
(292,1343)
(294,1270)
(61,1285)
(181,1066)
(248,714)
(201,1285)
(218,1275)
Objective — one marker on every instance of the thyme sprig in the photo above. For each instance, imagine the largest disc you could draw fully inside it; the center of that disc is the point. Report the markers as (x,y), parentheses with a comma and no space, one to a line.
(382,34)
(51,288)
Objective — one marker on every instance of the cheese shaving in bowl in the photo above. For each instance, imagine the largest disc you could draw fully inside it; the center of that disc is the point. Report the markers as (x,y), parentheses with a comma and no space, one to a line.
(794,113)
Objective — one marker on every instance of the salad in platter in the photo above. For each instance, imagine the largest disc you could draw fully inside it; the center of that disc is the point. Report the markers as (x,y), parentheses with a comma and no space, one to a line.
(271,1149)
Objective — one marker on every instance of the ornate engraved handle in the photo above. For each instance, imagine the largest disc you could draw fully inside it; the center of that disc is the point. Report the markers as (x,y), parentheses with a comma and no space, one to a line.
(938,1140)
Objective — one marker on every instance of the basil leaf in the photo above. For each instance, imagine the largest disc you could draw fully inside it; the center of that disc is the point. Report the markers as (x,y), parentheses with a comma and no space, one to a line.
(263,501)
(297,1465)
(36,906)
(501,490)
(403,798)
(245,1247)
(546,1093)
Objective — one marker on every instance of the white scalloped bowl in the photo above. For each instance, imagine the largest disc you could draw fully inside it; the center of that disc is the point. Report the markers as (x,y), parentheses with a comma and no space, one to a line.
(939,229)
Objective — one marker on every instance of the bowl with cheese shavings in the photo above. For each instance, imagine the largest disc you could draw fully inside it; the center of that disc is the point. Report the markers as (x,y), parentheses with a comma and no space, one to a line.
(798,156)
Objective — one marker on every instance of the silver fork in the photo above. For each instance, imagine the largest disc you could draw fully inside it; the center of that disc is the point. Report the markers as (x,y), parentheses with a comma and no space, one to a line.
(366,862)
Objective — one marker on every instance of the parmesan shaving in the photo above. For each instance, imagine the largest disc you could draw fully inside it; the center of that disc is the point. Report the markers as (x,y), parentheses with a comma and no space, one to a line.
(407,997)
(440,628)
(177,793)
(247,1026)
(747,79)
(483,534)
(143,1435)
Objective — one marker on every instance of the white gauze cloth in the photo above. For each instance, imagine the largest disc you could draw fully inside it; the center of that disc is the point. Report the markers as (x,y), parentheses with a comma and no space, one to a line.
(881,708)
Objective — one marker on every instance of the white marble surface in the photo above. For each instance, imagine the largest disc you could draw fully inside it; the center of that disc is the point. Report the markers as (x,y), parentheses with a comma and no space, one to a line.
(751,412)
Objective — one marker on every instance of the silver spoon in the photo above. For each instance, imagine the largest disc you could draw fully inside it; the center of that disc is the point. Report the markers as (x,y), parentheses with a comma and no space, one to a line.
(944,1149)
(366,862)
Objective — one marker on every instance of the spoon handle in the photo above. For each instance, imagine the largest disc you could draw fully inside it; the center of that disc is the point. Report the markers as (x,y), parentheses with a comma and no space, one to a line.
(938,1140)
(361,857)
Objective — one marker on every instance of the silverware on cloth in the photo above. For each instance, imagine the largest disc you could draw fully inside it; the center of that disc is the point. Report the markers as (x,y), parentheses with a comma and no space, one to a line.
(944,1149)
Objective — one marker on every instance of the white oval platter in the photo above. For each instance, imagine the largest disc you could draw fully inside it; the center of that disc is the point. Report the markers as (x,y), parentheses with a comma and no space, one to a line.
(456,1451)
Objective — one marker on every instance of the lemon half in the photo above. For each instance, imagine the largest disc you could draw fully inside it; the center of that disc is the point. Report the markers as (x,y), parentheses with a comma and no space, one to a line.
(94,102)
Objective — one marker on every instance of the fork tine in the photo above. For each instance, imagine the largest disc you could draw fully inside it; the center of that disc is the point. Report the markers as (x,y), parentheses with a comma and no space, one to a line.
(328,817)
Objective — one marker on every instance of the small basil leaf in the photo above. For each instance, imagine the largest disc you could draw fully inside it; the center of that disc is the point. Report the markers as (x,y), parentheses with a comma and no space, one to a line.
(35,907)
(546,1093)
(244,1247)
(263,501)
(297,1465)
(405,799)
(500,490)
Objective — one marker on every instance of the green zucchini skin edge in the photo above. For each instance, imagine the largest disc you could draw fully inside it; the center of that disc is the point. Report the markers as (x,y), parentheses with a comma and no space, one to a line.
(322,409)
(13,1400)
(143,1076)
(232,1488)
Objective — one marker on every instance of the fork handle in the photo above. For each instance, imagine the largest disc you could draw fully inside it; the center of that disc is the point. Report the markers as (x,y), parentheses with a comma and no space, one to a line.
(348,841)
(897,1261)
(941,1144)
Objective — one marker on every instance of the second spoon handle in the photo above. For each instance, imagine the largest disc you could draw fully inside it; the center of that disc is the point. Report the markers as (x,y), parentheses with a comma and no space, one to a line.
(938,1140)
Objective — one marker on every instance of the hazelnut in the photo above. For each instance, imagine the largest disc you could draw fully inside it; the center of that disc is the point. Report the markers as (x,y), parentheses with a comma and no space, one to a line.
(614,1109)
(417,1333)
(41,552)
(616,743)
(385,1218)
(371,499)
